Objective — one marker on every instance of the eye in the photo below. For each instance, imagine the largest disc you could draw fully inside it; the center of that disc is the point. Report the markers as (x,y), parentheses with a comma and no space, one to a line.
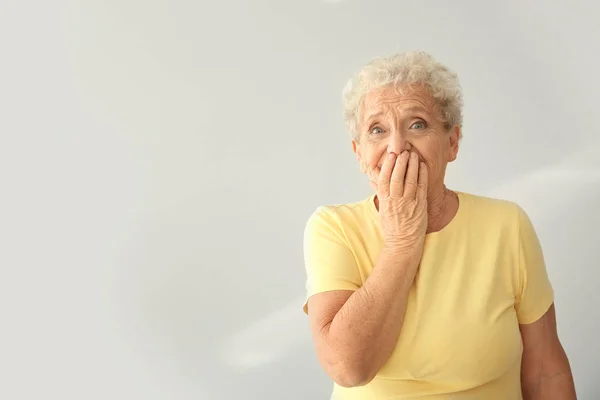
(376,130)
(419,125)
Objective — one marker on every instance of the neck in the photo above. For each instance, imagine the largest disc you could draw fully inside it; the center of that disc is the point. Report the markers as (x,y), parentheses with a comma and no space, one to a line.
(441,208)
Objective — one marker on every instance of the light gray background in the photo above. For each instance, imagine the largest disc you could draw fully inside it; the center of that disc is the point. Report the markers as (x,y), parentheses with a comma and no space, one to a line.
(158,161)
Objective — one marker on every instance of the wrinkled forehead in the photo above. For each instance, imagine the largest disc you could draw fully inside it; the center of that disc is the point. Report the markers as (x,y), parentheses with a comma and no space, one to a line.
(394,99)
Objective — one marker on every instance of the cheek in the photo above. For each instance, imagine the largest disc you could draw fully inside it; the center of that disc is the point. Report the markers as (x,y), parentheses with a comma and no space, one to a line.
(434,158)
(433,162)
(374,157)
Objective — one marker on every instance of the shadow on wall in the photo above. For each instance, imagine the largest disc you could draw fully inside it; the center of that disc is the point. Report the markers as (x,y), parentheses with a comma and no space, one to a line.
(193,280)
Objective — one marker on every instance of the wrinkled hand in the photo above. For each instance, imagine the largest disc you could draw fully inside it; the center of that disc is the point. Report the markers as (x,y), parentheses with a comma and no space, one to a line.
(401,187)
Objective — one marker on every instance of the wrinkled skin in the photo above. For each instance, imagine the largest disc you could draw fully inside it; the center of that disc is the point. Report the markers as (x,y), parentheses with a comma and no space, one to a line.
(390,124)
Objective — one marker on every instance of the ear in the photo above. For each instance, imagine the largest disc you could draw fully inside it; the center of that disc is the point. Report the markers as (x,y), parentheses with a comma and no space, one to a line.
(356,150)
(453,139)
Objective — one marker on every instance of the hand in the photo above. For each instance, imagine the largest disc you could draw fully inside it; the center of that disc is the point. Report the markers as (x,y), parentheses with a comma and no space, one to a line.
(401,187)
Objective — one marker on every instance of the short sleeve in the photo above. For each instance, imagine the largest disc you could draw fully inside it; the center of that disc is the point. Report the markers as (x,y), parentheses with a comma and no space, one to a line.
(328,260)
(535,294)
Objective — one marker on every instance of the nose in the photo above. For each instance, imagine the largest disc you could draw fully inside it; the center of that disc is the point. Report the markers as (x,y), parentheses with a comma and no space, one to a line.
(398,144)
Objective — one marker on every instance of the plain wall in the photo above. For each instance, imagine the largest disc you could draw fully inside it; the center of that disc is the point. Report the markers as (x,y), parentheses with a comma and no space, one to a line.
(159,159)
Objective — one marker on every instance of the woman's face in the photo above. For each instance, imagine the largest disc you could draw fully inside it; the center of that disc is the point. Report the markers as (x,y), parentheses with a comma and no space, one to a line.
(393,123)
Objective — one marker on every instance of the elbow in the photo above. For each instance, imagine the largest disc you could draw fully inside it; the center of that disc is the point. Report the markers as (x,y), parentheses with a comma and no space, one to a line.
(351,375)
(345,365)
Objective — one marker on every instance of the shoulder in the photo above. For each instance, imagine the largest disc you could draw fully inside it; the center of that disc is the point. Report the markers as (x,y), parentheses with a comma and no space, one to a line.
(485,204)
(493,211)
(338,216)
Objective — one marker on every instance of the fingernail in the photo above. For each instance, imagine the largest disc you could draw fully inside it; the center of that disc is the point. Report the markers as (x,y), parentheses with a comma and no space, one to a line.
(391,156)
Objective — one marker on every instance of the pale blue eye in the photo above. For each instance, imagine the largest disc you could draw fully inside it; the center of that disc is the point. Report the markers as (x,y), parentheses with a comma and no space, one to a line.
(376,131)
(418,125)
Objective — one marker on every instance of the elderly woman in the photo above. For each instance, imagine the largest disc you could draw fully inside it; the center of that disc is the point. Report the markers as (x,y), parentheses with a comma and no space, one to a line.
(420,291)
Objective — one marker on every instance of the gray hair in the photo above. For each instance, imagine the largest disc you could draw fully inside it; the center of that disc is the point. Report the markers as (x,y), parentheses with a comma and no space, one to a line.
(409,68)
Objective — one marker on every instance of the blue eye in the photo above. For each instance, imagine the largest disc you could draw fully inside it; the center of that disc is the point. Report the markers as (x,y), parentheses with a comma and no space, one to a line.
(419,125)
(376,130)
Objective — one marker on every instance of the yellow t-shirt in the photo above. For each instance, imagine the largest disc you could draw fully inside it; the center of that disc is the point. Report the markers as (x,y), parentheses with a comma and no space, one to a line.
(479,278)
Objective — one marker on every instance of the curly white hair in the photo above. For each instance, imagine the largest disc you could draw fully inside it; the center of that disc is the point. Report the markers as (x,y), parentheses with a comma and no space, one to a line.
(400,70)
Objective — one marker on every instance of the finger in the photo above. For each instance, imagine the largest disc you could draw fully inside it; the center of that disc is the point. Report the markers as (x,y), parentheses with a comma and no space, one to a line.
(412,176)
(397,181)
(423,182)
(385,175)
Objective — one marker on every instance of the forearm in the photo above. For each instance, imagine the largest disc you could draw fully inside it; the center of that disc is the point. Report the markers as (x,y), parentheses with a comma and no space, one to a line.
(553,387)
(366,328)
(551,384)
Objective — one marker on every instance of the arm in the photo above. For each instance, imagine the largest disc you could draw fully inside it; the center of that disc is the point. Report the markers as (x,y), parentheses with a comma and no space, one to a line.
(545,370)
(355,332)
